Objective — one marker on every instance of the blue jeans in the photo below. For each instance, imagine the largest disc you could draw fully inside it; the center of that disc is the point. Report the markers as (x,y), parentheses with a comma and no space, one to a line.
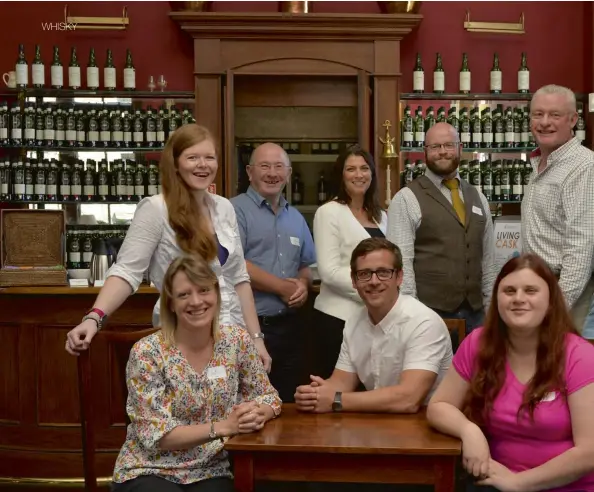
(588,331)
(473,319)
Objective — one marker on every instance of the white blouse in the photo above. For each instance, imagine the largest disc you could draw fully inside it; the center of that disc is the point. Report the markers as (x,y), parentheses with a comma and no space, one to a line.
(151,243)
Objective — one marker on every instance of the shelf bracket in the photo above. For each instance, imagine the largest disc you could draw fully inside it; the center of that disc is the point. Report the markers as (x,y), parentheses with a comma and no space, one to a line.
(98,23)
(495,27)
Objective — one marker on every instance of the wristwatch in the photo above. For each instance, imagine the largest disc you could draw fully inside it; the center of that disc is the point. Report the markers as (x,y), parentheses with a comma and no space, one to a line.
(255,336)
(213,433)
(337,403)
(97,316)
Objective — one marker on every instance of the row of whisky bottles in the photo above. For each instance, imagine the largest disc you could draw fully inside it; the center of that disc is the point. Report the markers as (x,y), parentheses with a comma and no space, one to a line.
(80,240)
(477,128)
(495,79)
(104,126)
(500,180)
(74,72)
(122,180)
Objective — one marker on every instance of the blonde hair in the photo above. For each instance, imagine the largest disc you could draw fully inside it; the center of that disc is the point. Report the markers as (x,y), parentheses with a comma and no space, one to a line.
(558,89)
(199,273)
(185,215)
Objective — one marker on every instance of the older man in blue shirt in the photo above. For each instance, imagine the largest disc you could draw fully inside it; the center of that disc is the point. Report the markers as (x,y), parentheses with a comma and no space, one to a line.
(278,249)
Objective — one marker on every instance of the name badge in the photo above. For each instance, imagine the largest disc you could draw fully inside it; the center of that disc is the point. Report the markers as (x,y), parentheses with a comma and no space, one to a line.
(476,210)
(217,372)
(549,397)
(295,241)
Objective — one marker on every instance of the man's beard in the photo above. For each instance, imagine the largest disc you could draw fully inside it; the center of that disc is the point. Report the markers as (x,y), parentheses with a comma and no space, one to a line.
(439,170)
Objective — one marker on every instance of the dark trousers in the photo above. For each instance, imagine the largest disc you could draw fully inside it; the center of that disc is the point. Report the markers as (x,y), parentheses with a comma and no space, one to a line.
(328,331)
(284,337)
(473,319)
(153,483)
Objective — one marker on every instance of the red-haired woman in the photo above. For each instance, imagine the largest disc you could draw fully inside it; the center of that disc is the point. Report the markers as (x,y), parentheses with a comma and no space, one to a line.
(520,392)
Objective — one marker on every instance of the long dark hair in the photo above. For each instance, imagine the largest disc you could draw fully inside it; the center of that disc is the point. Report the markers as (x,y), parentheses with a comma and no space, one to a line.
(489,376)
(371,202)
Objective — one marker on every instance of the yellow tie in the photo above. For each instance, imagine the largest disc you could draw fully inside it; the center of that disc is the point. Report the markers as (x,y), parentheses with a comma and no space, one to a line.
(452,185)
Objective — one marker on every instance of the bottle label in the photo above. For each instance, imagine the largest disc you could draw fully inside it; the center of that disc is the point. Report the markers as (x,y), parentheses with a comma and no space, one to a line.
(4,188)
(420,137)
(418,81)
(40,189)
(517,189)
(29,188)
(103,190)
(80,135)
(51,189)
(465,137)
(74,77)
(76,190)
(92,77)
(117,136)
(509,136)
(496,80)
(109,77)
(105,136)
(74,257)
(60,135)
(38,74)
(139,190)
(526,137)
(57,76)
(439,81)
(477,137)
(49,134)
(17,133)
(122,190)
(517,137)
(71,135)
(499,138)
(160,136)
(523,80)
(22,74)
(93,136)
(407,136)
(30,133)
(580,135)
(488,137)
(296,196)
(89,189)
(151,136)
(65,190)
(465,81)
(19,189)
(129,78)
(152,190)
(3,133)
(138,136)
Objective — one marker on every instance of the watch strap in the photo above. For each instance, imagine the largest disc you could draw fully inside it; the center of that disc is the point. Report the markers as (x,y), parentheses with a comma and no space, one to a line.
(337,403)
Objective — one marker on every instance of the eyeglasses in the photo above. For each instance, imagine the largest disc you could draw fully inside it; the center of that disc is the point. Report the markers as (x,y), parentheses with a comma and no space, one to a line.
(266,166)
(446,146)
(380,273)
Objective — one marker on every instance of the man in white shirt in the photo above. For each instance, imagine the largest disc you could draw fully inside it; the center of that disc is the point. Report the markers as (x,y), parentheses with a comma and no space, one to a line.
(558,205)
(395,345)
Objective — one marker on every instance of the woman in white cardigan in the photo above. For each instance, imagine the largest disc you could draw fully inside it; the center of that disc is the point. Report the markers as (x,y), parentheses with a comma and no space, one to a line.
(339,225)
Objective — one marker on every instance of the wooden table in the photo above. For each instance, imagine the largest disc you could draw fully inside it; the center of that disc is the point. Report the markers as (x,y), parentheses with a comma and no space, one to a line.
(343,447)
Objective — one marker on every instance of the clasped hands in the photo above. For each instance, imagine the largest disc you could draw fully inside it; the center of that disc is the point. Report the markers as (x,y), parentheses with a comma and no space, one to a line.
(245,418)
(295,292)
(316,397)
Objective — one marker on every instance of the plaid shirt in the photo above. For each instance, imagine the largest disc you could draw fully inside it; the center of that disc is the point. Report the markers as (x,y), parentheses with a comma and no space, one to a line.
(558,215)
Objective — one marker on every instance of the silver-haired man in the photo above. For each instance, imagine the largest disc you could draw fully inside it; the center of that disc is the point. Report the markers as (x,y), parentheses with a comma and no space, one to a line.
(558,206)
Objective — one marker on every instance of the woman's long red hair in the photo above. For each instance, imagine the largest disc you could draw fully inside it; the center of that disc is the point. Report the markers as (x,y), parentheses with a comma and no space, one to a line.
(489,374)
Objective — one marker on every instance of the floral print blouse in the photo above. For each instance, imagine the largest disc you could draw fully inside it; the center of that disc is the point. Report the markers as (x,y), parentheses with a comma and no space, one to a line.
(164,391)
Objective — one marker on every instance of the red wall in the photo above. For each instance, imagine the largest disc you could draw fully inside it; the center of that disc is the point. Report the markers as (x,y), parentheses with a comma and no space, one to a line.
(558,39)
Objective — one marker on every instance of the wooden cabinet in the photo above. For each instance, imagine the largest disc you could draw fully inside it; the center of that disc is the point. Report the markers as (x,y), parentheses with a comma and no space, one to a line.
(300,60)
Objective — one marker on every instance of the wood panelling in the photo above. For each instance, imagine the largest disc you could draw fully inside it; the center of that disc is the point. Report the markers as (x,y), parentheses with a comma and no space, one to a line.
(9,375)
(297,66)
(41,437)
(270,90)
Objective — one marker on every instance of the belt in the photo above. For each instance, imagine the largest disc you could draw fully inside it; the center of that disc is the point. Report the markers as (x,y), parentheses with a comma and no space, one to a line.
(270,320)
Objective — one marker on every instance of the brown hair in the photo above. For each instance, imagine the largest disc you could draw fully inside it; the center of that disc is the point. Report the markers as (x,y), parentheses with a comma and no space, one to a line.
(375,244)
(185,213)
(489,375)
(199,273)
(371,202)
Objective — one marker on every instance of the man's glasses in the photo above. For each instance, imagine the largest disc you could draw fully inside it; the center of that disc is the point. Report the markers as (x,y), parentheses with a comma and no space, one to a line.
(446,146)
(381,274)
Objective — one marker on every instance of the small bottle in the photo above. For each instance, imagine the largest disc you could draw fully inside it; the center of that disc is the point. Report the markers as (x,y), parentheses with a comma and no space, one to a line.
(418,76)
(322,190)
(74,70)
(57,70)
(22,69)
(464,75)
(496,81)
(38,69)
(523,76)
(92,72)
(438,76)
(109,73)
(129,73)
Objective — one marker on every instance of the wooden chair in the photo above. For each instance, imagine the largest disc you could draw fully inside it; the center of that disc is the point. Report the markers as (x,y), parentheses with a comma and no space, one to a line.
(121,343)
(457,326)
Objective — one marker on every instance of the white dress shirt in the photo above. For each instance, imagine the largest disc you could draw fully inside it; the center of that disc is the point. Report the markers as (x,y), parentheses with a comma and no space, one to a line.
(336,234)
(404,218)
(411,336)
(151,243)
(558,215)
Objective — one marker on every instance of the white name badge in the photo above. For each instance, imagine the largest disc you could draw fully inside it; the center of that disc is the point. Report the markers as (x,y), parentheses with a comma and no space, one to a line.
(218,372)
(295,241)
(549,397)
(476,210)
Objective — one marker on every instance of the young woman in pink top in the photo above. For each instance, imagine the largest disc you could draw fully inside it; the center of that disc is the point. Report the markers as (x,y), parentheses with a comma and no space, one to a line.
(520,392)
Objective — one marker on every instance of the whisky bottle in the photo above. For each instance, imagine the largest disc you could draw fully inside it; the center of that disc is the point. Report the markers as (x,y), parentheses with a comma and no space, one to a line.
(105,129)
(40,182)
(6,182)
(120,180)
(117,129)
(464,75)
(160,122)
(103,182)
(523,76)
(322,190)
(429,119)
(465,133)
(525,137)
(487,128)
(18,180)
(29,182)
(453,118)
(153,179)
(22,69)
(38,69)
(4,124)
(408,173)
(419,128)
(29,125)
(580,126)
(487,180)
(51,186)
(16,125)
(418,76)
(71,128)
(109,73)
(151,128)
(496,81)
(516,182)
(60,121)
(463,170)
(89,181)
(130,172)
(93,132)
(74,70)
(419,169)
(496,180)
(139,182)
(505,182)
(407,128)
(509,128)
(498,127)
(438,76)
(138,129)
(65,182)
(76,181)
(49,127)
(517,127)
(297,190)
(477,130)
(441,115)
(129,73)
(475,174)
(92,72)
(57,70)
(81,128)
(39,126)
(174,121)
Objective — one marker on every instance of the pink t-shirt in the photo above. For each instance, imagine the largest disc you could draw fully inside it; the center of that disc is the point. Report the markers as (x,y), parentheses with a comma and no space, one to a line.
(523,445)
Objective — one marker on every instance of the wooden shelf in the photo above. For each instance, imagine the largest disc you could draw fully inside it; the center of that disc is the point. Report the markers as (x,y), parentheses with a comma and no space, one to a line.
(100,94)
(471,150)
(313,157)
(83,149)
(480,96)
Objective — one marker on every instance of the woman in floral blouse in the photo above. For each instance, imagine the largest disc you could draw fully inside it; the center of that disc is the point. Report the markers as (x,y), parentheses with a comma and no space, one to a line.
(191,385)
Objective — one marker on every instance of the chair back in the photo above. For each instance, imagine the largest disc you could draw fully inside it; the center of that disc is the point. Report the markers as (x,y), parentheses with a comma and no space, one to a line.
(457,326)
(120,343)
